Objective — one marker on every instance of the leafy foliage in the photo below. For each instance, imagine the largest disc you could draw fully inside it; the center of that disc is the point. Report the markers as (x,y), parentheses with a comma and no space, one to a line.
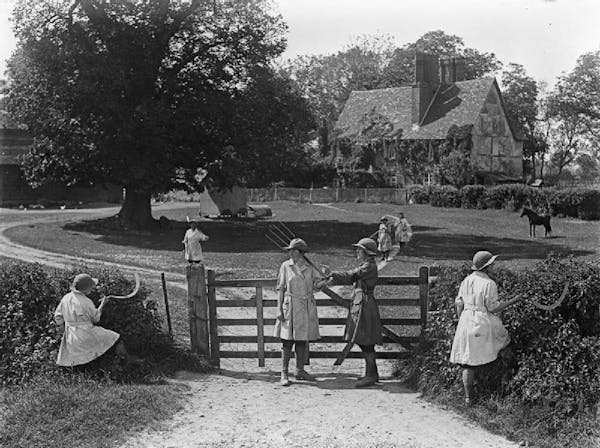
(29,340)
(555,360)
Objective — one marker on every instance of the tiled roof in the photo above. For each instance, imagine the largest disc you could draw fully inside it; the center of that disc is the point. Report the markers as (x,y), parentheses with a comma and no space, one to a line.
(453,104)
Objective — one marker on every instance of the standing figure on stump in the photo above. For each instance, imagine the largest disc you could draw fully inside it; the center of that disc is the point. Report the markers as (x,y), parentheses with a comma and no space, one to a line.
(191,241)
(297,319)
(384,239)
(480,334)
(363,326)
(82,341)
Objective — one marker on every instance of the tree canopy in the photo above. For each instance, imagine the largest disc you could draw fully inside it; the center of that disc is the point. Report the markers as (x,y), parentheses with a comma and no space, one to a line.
(144,93)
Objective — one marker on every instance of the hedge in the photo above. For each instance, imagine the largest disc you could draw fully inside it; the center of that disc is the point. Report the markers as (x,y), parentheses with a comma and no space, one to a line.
(556,354)
(575,202)
(29,339)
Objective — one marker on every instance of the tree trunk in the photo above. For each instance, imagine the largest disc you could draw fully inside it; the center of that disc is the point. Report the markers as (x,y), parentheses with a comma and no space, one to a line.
(136,213)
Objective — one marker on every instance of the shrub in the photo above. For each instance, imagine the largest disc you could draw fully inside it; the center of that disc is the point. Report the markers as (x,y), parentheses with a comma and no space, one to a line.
(444,196)
(29,339)
(418,194)
(556,353)
(471,196)
(576,202)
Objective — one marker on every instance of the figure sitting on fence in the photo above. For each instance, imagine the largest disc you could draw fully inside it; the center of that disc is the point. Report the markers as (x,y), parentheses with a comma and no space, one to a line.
(191,241)
(82,341)
(384,239)
(297,319)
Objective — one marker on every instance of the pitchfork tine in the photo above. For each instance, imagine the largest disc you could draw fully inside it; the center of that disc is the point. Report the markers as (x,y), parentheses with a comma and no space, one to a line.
(280,233)
(274,242)
(282,242)
(287,229)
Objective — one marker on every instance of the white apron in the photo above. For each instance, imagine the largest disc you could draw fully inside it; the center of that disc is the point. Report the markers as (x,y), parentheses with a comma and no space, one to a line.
(82,342)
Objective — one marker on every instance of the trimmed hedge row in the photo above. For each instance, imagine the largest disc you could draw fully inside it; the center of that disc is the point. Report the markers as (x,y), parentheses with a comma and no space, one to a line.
(575,202)
(29,339)
(553,369)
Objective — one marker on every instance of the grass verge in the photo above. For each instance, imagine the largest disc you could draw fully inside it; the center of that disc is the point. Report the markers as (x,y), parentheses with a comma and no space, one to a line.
(77,411)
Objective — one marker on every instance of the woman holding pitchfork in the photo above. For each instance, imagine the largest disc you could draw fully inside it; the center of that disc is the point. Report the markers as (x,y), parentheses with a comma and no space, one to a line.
(297,319)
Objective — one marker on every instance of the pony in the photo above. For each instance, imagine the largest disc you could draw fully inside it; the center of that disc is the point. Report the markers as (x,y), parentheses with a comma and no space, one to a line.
(536,220)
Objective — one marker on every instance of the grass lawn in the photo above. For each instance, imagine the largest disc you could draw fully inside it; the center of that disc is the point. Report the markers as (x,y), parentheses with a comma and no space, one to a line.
(240,249)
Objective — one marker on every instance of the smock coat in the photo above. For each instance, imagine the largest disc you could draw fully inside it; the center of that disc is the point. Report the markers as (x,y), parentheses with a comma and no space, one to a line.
(363,325)
(301,322)
(480,334)
(384,238)
(82,341)
(193,248)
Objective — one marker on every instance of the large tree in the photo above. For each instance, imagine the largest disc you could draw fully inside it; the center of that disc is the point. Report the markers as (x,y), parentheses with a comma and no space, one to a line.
(144,93)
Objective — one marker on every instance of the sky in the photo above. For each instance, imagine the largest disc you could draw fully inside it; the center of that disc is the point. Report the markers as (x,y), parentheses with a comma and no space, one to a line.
(545,36)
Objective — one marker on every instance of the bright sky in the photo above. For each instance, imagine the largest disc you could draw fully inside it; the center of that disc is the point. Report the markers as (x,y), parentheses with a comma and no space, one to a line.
(545,36)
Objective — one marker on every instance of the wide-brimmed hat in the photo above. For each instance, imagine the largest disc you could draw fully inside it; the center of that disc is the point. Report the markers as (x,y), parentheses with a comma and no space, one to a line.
(482,259)
(368,245)
(83,282)
(297,243)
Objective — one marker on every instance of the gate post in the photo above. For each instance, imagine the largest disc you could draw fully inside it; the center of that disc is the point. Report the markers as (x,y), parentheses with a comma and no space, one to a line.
(198,309)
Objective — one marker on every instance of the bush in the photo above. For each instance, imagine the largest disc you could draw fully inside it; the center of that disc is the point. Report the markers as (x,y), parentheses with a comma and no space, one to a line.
(418,194)
(576,202)
(471,196)
(444,196)
(556,353)
(364,179)
(29,339)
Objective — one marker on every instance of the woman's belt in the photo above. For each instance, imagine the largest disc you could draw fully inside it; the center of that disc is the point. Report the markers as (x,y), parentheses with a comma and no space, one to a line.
(476,308)
(78,324)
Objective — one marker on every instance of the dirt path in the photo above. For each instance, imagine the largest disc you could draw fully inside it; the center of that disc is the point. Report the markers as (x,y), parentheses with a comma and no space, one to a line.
(244,406)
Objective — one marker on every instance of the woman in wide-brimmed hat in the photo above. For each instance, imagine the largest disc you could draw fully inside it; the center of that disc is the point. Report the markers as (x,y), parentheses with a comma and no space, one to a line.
(480,334)
(363,326)
(82,340)
(297,319)
(384,238)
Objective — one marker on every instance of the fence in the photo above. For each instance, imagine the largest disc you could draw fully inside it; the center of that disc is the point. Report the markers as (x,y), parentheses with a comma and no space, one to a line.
(205,320)
(325,195)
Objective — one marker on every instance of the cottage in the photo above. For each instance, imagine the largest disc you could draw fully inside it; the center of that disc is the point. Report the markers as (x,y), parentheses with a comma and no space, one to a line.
(408,127)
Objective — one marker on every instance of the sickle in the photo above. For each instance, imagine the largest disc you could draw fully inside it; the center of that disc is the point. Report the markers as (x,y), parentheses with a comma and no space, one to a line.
(555,304)
(131,294)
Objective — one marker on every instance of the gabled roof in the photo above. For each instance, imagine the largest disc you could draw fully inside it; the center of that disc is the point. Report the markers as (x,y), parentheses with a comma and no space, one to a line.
(457,104)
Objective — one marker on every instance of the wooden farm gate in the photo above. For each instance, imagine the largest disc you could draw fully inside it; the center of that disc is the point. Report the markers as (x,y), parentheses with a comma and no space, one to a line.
(205,323)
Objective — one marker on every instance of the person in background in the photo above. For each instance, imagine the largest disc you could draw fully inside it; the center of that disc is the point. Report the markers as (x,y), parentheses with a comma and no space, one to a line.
(480,334)
(403,230)
(191,241)
(363,325)
(384,239)
(82,341)
(297,319)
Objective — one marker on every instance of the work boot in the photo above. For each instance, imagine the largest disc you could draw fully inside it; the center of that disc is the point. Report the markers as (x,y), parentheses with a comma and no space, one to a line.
(371,375)
(285,362)
(302,374)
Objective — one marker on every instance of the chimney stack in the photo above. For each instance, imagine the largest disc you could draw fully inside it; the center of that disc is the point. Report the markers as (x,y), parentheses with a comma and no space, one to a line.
(452,70)
(427,80)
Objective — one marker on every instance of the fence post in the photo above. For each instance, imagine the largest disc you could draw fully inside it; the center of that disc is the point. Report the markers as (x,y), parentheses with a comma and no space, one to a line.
(337,194)
(197,309)
(215,346)
(424,295)
(260,327)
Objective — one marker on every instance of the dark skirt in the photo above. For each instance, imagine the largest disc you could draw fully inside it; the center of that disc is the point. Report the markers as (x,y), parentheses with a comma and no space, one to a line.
(363,325)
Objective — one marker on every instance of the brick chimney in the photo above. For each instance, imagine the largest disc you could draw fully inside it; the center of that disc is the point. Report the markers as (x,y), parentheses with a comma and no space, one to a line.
(452,70)
(427,80)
